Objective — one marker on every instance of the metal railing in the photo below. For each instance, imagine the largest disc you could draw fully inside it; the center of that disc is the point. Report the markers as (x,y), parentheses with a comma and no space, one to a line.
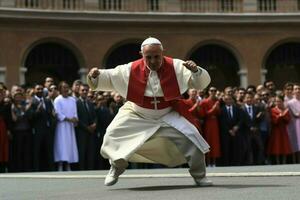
(275,6)
(189,6)
(51,4)
(212,6)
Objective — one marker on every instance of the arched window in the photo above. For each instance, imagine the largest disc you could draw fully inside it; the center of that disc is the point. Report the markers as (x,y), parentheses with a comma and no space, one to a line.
(220,63)
(51,59)
(123,55)
(283,64)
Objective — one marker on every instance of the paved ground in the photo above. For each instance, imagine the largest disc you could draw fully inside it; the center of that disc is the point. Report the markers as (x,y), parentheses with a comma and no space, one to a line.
(255,182)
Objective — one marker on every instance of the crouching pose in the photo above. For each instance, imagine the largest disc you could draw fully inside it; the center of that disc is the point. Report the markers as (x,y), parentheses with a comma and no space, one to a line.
(154,125)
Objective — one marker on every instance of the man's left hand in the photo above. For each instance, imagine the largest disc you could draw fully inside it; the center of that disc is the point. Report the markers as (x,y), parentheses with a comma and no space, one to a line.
(191,65)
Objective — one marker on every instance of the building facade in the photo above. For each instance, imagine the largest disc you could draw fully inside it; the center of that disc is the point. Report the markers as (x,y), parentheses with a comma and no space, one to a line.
(240,42)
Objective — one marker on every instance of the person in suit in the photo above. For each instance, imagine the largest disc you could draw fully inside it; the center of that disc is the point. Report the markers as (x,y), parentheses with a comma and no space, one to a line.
(43,123)
(52,93)
(86,130)
(254,151)
(104,118)
(230,127)
(75,88)
(240,96)
(21,158)
(48,82)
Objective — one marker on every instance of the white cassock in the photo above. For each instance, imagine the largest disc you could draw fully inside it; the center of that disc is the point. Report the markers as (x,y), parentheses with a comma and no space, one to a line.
(133,134)
(65,146)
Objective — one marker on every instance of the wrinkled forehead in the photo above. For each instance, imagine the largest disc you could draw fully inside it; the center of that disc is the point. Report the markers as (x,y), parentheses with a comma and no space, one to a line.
(152,49)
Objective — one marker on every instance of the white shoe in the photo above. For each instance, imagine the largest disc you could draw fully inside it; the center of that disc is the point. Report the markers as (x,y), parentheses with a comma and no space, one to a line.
(204,182)
(113,175)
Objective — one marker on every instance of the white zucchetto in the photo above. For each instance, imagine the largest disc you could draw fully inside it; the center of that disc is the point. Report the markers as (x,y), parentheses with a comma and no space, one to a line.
(149,41)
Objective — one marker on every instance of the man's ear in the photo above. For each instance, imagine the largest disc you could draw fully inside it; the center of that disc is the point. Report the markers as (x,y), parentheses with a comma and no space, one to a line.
(141,53)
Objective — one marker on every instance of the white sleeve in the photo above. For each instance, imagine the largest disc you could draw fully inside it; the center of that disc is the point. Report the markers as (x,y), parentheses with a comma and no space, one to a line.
(58,109)
(199,79)
(187,79)
(112,79)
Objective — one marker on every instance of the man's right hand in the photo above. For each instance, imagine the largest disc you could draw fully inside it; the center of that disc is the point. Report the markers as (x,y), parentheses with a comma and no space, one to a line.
(94,73)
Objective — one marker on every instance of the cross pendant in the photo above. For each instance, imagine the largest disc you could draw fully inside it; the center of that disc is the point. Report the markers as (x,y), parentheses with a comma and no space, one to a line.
(155,102)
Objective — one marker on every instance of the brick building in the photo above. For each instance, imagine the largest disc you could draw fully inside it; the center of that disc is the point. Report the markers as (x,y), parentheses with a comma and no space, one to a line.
(239,42)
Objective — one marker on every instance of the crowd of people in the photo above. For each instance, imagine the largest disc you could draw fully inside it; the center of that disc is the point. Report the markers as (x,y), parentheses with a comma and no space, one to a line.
(51,127)
(249,126)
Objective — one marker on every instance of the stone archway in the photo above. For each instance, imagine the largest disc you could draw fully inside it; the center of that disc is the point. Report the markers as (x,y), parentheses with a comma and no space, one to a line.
(220,63)
(283,64)
(51,58)
(122,54)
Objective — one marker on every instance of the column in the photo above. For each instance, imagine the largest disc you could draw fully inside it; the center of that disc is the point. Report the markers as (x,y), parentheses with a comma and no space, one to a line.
(2,74)
(172,6)
(22,72)
(91,4)
(83,73)
(250,6)
(8,3)
(20,3)
(243,73)
(263,73)
(59,4)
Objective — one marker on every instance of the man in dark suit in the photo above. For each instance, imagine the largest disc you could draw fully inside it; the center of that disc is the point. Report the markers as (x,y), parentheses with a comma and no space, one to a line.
(104,117)
(43,124)
(254,153)
(86,130)
(230,125)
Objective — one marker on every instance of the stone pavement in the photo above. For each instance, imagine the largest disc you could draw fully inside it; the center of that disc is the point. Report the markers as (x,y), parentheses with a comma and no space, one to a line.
(247,182)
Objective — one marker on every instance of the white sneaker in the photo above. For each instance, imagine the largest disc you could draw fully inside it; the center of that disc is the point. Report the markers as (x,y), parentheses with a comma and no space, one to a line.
(204,182)
(113,175)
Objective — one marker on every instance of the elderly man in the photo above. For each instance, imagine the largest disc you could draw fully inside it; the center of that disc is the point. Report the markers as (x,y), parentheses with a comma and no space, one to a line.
(154,125)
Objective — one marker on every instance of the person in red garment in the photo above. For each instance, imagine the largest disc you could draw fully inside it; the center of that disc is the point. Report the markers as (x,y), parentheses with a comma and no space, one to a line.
(209,112)
(193,103)
(5,118)
(279,144)
(154,125)
(193,97)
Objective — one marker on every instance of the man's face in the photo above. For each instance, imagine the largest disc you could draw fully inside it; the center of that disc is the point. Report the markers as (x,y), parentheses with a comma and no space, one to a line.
(65,89)
(212,92)
(229,91)
(270,85)
(153,56)
(48,82)
(241,94)
(192,93)
(288,91)
(249,99)
(118,98)
(38,90)
(91,95)
(83,91)
(75,87)
(297,90)
(53,92)
(228,100)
